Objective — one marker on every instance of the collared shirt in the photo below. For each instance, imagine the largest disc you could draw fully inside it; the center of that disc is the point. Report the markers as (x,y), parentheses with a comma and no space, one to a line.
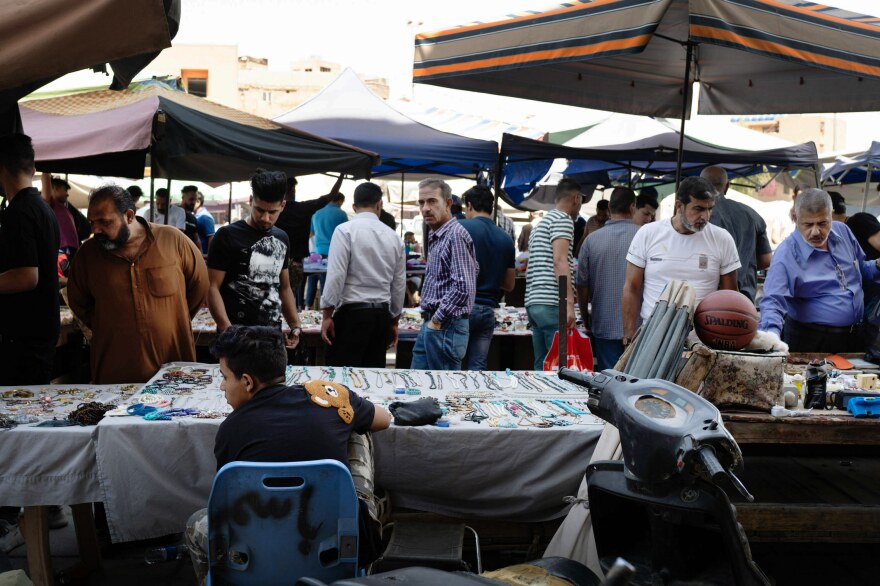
(206,227)
(66,225)
(816,286)
(451,275)
(295,219)
(749,232)
(602,269)
(367,264)
(324,222)
(139,311)
(176,217)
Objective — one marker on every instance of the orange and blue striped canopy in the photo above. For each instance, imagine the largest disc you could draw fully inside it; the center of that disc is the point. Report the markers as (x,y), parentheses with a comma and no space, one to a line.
(749,56)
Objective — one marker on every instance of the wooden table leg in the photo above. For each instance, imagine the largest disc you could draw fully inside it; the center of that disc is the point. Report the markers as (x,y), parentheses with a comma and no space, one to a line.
(86,536)
(35,530)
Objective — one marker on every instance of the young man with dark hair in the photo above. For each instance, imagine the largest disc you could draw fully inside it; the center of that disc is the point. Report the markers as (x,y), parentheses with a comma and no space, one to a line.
(496,258)
(73,226)
(247,264)
(204,220)
(271,422)
(137,286)
(601,275)
(365,287)
(685,248)
(597,221)
(646,206)
(176,214)
(550,256)
(188,197)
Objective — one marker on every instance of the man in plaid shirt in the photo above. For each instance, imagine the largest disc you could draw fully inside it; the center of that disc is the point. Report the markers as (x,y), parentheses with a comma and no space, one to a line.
(450,283)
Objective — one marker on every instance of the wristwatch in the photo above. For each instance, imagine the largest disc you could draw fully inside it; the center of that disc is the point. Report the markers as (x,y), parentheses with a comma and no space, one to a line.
(437,322)
(296,329)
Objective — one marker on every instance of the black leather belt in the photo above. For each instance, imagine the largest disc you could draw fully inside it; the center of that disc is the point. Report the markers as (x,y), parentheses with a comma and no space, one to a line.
(357,306)
(854,328)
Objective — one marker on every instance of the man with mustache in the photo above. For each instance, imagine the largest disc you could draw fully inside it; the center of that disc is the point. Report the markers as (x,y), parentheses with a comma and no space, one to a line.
(813,293)
(686,248)
(137,286)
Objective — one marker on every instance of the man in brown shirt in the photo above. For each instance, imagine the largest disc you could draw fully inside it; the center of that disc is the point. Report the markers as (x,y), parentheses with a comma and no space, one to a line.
(137,286)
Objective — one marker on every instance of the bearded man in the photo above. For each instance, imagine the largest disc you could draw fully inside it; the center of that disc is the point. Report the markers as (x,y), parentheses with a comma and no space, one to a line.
(686,248)
(137,286)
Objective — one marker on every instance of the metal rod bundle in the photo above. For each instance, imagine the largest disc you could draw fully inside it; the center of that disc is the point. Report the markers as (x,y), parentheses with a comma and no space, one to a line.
(658,346)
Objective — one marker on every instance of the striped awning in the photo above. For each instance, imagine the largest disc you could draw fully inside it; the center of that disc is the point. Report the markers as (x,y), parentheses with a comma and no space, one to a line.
(750,56)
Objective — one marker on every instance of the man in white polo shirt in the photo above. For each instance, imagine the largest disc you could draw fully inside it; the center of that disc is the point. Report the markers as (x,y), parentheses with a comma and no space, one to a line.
(686,248)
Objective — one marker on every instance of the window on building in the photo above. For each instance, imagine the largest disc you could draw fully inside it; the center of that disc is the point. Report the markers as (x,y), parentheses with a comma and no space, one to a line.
(308,69)
(325,70)
(267,97)
(195,81)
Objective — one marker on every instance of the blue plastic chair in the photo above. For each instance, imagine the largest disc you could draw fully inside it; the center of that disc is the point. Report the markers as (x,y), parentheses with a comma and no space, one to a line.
(272,523)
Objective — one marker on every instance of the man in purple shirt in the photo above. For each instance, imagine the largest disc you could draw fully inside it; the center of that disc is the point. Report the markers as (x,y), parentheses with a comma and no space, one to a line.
(72,224)
(450,283)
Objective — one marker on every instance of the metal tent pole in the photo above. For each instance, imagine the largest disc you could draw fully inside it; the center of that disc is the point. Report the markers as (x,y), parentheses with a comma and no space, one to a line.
(168,207)
(563,322)
(402,178)
(229,206)
(685,100)
(152,195)
(867,186)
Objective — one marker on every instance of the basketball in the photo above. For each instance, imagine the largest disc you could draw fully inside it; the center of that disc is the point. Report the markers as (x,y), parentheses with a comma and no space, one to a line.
(726,320)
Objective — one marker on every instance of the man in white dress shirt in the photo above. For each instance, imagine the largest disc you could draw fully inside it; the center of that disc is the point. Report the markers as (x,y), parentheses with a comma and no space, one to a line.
(176,217)
(365,287)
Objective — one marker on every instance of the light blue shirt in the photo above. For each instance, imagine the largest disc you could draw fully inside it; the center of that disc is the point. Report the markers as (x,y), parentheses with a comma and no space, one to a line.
(324,222)
(815,286)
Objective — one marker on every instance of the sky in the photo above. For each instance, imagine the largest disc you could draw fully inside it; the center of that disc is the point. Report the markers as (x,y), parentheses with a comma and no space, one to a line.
(375,38)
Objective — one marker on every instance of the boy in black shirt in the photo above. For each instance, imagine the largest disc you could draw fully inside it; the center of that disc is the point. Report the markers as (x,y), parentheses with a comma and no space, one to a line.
(272,422)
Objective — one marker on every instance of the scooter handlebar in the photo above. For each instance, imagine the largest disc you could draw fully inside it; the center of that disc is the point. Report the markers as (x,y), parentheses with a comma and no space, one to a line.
(582,379)
(710,462)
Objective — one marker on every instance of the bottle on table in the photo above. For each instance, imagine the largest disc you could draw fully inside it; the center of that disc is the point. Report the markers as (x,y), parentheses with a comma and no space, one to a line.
(167,553)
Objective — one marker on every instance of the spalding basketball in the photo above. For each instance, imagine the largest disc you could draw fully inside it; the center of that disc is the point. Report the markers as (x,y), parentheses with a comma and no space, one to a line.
(726,320)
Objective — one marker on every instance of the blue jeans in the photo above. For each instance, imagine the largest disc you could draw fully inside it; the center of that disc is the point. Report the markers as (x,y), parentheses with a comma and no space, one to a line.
(544,320)
(482,327)
(312,288)
(441,349)
(607,352)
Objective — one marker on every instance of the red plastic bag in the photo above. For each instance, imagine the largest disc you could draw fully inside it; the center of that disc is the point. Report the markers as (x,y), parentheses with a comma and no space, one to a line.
(580,352)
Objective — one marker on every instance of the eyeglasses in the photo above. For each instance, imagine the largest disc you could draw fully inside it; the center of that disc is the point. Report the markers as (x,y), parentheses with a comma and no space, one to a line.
(841,278)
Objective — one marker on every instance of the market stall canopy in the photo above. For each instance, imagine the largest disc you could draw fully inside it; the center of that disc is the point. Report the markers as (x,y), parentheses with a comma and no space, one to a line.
(526,161)
(187,137)
(749,56)
(44,39)
(854,169)
(346,110)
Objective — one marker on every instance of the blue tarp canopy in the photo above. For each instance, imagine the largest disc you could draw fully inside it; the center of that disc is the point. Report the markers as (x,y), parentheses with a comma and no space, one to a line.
(347,111)
(847,170)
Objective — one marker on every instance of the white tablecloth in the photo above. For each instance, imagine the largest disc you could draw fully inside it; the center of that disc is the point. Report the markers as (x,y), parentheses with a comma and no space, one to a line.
(52,465)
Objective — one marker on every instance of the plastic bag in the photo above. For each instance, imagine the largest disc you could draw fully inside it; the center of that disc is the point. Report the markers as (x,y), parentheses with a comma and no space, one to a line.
(580,352)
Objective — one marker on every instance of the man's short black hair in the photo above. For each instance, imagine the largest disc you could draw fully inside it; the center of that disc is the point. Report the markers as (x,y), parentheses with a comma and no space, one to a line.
(269,186)
(255,350)
(161,192)
(565,187)
(409,233)
(59,183)
(338,198)
(694,188)
(649,191)
(621,200)
(119,196)
(17,153)
(135,192)
(644,199)
(838,203)
(602,204)
(367,194)
(188,188)
(480,197)
(200,197)
(456,207)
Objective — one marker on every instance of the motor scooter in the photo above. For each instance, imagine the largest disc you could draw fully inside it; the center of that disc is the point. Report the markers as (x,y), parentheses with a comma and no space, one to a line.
(662,508)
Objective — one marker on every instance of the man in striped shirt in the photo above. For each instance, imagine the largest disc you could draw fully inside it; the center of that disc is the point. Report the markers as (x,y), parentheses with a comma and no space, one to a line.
(550,257)
(450,283)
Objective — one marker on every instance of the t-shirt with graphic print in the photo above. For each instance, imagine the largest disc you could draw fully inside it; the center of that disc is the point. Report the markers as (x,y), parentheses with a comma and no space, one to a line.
(252,260)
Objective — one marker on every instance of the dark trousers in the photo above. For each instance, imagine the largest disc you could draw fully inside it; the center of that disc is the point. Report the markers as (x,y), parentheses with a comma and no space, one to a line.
(26,361)
(802,337)
(362,336)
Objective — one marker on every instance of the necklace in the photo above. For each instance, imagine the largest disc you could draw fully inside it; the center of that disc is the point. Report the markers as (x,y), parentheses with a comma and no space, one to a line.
(431,378)
(366,381)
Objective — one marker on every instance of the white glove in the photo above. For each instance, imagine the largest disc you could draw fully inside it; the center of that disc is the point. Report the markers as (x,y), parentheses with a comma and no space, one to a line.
(767,341)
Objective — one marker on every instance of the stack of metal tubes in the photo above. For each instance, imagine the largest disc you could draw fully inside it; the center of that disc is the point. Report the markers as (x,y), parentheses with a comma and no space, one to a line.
(658,346)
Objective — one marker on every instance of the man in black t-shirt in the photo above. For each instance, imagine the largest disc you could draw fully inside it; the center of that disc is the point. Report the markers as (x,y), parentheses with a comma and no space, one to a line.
(272,422)
(296,220)
(29,322)
(248,264)
(29,241)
